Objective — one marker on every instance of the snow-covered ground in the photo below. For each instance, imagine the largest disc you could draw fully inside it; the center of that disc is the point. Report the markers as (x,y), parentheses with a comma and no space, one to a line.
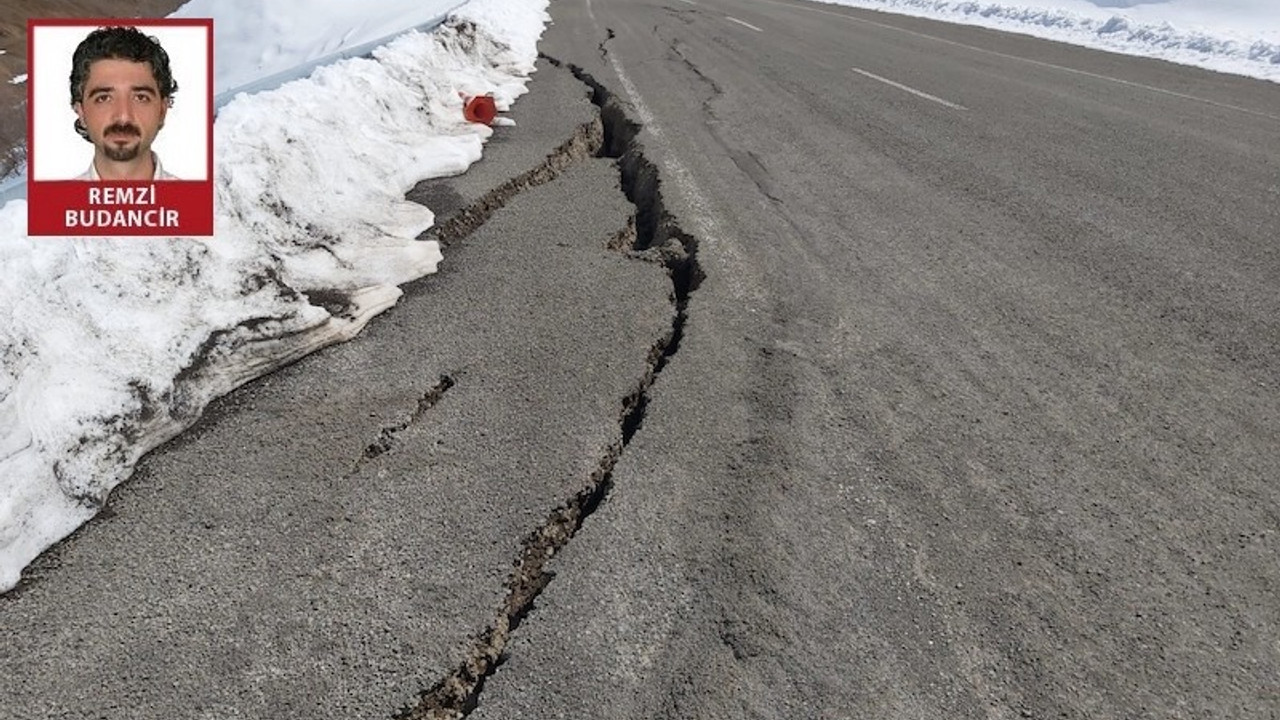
(110,346)
(1233,36)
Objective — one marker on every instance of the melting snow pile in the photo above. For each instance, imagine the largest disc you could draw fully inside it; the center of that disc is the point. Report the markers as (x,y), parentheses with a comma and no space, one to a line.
(110,346)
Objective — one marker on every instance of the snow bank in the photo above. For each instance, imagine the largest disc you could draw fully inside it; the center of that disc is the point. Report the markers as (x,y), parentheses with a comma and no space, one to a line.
(110,346)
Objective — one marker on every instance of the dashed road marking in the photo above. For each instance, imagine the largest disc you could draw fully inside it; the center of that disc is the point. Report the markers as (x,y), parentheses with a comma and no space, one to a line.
(913,91)
(743,23)
(1040,63)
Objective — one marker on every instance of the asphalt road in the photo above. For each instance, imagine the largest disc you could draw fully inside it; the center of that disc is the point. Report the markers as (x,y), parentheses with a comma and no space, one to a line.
(337,538)
(976,412)
(962,403)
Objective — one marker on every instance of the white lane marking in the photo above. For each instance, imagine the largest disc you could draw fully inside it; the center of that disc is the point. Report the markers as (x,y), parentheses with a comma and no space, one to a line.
(911,90)
(1041,63)
(691,2)
(742,23)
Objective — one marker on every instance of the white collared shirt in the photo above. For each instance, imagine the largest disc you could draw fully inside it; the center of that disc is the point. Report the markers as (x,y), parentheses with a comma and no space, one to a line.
(91,174)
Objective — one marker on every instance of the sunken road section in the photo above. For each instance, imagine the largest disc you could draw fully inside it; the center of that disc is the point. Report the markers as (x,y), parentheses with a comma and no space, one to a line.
(652,235)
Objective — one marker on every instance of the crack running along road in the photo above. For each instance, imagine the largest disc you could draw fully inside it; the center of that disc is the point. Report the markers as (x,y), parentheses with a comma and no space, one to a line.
(659,240)
(277,582)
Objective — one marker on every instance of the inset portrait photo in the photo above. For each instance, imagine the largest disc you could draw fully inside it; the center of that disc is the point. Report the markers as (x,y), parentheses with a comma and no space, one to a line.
(120,127)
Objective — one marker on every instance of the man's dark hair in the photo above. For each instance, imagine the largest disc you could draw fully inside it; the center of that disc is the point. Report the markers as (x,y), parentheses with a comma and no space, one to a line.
(119,43)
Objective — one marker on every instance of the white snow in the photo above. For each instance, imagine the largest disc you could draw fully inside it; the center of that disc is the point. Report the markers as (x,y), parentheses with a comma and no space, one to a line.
(266,38)
(18,79)
(110,346)
(1233,36)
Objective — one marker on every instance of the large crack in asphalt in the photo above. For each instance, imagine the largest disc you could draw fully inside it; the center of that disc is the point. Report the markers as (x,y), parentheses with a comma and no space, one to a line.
(651,235)
(585,142)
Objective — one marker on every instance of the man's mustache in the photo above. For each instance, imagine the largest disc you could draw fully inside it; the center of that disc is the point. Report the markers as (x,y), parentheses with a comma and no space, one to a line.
(122,129)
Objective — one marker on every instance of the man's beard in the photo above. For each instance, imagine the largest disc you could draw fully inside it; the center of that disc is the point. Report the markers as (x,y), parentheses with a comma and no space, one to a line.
(121,153)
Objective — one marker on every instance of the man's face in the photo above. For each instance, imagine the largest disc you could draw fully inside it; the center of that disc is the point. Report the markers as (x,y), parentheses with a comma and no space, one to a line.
(121,107)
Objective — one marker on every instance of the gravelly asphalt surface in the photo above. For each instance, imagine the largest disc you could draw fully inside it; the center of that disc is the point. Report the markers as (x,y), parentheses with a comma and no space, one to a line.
(976,412)
(267,564)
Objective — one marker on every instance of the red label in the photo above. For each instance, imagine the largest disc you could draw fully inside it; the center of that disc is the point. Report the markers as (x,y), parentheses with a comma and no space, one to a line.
(75,207)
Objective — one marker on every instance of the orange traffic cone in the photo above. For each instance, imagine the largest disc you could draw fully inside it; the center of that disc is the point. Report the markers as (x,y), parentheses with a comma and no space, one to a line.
(480,109)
